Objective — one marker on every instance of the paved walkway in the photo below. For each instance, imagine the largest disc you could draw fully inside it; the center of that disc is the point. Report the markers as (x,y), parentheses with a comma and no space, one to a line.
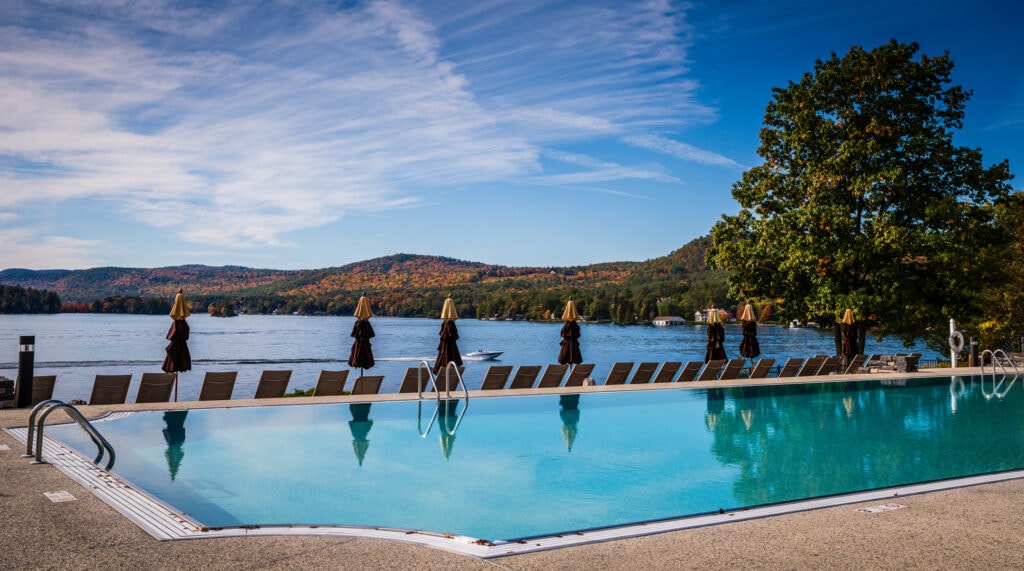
(966,528)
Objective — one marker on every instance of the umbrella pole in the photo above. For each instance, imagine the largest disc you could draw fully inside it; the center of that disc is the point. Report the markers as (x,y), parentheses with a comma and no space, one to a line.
(175,386)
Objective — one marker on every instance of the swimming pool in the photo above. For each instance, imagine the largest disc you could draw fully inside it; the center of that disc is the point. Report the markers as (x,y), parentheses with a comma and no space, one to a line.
(527,466)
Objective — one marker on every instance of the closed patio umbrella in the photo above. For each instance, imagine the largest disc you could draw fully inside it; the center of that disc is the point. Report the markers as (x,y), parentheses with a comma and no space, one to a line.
(448,347)
(178,358)
(361,356)
(848,332)
(716,338)
(570,352)
(749,347)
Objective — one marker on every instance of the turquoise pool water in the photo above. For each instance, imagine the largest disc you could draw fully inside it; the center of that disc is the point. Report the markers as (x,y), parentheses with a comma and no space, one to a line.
(529,466)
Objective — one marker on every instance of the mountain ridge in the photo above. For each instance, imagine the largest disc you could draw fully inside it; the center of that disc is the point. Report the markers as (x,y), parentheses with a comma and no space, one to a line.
(400,284)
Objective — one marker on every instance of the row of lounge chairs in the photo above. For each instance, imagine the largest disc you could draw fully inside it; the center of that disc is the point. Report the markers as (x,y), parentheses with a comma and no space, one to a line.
(157,387)
(670,371)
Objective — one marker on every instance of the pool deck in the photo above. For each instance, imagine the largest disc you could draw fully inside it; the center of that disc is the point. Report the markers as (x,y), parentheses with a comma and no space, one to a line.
(970,527)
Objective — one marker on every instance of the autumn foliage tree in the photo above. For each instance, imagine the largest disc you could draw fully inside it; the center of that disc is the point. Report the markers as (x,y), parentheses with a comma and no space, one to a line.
(863,201)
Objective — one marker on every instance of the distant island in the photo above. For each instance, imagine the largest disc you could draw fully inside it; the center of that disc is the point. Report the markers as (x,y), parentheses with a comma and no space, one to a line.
(401,285)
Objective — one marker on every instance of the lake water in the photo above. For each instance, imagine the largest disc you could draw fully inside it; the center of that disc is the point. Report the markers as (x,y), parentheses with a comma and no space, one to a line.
(77,347)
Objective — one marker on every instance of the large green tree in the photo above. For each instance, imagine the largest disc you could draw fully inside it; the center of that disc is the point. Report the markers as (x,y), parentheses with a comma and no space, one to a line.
(863,200)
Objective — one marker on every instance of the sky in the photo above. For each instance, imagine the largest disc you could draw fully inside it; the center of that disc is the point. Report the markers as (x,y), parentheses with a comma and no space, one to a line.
(298,134)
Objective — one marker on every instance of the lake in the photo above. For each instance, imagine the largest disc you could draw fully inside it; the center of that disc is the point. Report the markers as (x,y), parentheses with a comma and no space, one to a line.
(77,347)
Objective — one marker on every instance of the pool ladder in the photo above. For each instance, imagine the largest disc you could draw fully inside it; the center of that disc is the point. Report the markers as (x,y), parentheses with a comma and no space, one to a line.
(447,427)
(35,428)
(1006,366)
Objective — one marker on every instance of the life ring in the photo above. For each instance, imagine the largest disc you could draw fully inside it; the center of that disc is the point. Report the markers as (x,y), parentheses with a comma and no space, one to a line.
(956,341)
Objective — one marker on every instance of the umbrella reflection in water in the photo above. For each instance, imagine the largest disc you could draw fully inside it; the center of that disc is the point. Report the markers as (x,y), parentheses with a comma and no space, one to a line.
(716,404)
(360,426)
(448,421)
(570,415)
(174,435)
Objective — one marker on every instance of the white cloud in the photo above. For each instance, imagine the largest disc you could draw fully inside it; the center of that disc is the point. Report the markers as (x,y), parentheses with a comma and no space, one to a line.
(23,249)
(239,125)
(681,151)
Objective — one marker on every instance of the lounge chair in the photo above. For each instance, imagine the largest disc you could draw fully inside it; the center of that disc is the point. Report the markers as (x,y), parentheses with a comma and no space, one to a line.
(812,366)
(830,365)
(619,373)
(218,385)
(525,377)
(496,377)
(367,385)
(711,370)
(791,367)
(855,364)
(109,389)
(644,373)
(330,383)
(668,371)
(690,371)
(42,388)
(762,368)
(552,376)
(273,384)
(155,387)
(413,383)
(578,374)
(732,370)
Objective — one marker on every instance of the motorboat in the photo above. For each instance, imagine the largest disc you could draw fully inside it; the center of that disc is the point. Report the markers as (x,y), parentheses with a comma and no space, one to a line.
(481,355)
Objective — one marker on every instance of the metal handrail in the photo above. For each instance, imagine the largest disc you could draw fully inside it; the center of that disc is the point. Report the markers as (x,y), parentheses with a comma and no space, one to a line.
(425,366)
(450,369)
(32,424)
(419,398)
(44,409)
(1000,358)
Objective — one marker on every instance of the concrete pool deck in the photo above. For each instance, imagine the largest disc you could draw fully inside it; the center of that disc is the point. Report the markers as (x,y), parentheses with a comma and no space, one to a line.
(971,527)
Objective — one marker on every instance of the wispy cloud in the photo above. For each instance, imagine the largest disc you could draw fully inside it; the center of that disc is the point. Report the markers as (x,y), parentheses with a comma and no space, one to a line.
(680,150)
(24,249)
(238,125)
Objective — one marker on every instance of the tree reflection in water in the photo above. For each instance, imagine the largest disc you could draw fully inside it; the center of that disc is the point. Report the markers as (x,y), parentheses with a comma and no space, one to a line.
(799,441)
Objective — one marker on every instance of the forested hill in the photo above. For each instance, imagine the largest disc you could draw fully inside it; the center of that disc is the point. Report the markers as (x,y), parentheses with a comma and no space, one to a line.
(406,285)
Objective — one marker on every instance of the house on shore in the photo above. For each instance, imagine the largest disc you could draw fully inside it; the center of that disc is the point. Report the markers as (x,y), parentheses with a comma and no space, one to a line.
(666,320)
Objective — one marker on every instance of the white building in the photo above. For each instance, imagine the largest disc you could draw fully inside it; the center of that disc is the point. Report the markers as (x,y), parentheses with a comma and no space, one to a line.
(666,320)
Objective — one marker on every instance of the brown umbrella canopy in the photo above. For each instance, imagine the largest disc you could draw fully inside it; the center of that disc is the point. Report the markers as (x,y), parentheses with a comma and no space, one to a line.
(361,356)
(716,338)
(448,347)
(570,352)
(749,346)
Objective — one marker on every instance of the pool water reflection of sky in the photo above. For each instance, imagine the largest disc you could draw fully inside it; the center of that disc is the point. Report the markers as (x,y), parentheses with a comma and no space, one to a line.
(538,465)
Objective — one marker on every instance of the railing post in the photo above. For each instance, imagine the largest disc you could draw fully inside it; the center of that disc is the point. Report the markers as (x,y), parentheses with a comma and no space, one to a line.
(26,369)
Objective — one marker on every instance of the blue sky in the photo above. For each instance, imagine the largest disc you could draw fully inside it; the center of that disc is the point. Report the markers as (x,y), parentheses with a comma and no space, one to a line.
(311,134)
